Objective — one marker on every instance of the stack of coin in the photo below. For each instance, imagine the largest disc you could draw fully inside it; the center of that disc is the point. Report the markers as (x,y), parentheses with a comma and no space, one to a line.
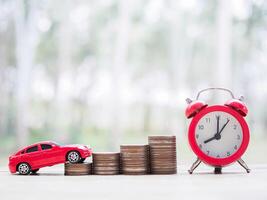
(134,159)
(106,163)
(162,154)
(78,169)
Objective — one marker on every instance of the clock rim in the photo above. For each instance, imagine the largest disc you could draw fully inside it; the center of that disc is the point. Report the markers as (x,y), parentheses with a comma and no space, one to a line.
(218,162)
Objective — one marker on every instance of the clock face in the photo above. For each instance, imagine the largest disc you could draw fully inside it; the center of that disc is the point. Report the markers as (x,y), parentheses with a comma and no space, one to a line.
(218,134)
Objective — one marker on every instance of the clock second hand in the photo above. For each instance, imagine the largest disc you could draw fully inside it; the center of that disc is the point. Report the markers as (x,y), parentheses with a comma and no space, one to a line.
(217,136)
(223,127)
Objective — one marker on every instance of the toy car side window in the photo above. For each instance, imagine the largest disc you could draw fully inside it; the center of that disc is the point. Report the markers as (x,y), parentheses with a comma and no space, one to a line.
(32,149)
(46,146)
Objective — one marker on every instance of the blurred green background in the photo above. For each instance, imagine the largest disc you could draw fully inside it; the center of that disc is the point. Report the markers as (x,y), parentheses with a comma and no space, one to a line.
(108,72)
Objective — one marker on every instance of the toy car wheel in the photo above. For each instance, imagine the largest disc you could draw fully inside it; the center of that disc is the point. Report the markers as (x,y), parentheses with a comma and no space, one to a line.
(73,157)
(24,168)
(34,171)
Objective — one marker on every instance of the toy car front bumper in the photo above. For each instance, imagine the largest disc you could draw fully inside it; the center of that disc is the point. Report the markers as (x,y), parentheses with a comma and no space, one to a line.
(88,153)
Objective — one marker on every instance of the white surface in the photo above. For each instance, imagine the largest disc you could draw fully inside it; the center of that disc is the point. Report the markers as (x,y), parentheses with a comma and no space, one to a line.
(52,184)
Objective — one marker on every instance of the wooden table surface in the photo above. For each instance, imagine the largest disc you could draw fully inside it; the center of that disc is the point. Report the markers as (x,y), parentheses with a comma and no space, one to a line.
(50,183)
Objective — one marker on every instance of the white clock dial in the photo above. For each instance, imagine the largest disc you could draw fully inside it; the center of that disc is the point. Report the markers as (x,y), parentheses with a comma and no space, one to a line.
(222,143)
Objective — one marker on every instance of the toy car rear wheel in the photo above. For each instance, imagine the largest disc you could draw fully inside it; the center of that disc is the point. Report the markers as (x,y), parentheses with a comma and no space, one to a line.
(24,168)
(73,157)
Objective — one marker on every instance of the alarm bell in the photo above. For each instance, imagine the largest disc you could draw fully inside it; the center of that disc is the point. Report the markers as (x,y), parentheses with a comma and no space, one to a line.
(196,106)
(238,105)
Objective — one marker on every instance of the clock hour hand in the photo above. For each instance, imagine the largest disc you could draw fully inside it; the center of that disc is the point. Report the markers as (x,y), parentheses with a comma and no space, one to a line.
(210,139)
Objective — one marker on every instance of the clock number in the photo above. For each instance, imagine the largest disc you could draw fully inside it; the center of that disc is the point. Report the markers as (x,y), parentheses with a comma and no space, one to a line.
(238,137)
(201,127)
(200,146)
(218,156)
(208,152)
(235,147)
(197,136)
(235,126)
(228,153)
(207,120)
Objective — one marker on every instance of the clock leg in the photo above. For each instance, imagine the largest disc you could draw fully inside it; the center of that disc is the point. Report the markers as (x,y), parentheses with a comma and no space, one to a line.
(194,166)
(217,170)
(243,164)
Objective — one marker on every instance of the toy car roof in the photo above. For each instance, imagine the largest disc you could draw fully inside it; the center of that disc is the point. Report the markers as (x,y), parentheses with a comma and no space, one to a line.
(43,142)
(37,143)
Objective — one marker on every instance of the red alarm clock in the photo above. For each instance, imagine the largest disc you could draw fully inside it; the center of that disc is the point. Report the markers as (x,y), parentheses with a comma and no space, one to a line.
(218,134)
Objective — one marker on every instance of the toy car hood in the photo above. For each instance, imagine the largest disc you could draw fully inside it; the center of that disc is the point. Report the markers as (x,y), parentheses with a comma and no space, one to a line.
(80,146)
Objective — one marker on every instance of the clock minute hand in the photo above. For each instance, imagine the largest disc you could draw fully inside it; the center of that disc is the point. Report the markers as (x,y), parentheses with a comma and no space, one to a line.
(218,123)
(215,136)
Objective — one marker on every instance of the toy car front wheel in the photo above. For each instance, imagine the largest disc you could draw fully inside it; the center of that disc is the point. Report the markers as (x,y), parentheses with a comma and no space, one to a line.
(24,168)
(73,157)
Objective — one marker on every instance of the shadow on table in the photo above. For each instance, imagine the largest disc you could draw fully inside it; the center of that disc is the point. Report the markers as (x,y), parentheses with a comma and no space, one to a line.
(212,173)
(42,174)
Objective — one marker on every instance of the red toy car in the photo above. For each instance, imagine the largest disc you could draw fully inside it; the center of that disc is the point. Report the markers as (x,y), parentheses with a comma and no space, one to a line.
(43,154)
